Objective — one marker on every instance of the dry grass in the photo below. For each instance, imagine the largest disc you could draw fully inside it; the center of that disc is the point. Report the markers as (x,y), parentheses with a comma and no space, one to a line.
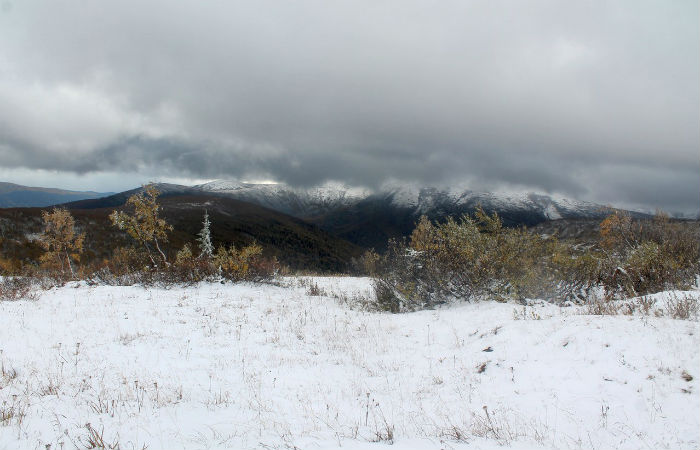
(683,307)
(12,413)
(17,288)
(675,306)
(94,439)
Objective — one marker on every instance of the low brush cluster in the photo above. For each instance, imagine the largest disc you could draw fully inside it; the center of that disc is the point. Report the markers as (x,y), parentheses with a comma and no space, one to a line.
(477,257)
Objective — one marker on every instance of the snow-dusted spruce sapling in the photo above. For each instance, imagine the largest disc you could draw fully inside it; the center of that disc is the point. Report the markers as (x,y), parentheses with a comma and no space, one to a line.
(60,240)
(144,225)
(205,246)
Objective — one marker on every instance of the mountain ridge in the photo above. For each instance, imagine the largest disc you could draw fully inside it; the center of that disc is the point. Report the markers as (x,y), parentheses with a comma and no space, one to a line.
(15,195)
(310,202)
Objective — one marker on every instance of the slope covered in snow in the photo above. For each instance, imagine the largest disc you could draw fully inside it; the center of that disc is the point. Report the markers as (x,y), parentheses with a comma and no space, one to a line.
(295,201)
(330,197)
(425,200)
(262,366)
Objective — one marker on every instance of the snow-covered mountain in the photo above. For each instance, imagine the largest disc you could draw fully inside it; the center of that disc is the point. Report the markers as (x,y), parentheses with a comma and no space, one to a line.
(331,197)
(297,202)
(429,201)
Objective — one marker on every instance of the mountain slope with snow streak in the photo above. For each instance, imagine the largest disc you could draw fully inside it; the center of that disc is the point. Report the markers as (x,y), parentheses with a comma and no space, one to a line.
(331,196)
(294,201)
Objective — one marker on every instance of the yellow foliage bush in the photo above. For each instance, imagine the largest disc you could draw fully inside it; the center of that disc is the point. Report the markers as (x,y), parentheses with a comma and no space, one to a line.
(62,243)
(144,224)
(236,264)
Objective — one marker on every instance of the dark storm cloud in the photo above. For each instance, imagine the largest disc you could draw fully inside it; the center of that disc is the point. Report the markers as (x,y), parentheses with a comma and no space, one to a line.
(597,100)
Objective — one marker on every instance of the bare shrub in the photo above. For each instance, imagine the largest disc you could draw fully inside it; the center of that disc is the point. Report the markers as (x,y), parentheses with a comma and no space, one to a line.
(383,432)
(454,432)
(17,288)
(645,304)
(603,307)
(495,426)
(314,291)
(94,439)
(683,307)
(12,412)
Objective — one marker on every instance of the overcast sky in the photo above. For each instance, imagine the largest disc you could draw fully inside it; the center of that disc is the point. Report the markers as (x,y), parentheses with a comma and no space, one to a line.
(595,100)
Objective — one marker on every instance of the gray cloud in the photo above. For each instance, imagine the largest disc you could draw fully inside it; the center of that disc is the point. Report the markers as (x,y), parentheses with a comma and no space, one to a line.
(597,100)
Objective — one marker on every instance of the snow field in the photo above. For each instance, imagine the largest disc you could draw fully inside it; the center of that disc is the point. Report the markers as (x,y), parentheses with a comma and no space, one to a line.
(253,366)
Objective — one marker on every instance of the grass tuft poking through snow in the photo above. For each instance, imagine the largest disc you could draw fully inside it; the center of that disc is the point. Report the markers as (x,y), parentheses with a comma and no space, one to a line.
(299,365)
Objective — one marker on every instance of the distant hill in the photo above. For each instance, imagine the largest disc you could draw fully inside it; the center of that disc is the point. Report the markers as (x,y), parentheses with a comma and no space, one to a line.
(15,195)
(296,243)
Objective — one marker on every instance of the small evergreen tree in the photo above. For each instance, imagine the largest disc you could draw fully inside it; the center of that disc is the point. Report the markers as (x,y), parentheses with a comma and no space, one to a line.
(205,246)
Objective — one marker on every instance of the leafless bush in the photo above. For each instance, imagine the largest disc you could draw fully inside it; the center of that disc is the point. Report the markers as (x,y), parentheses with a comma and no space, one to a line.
(683,307)
(313,290)
(94,439)
(495,426)
(604,306)
(455,433)
(645,304)
(18,288)
(12,412)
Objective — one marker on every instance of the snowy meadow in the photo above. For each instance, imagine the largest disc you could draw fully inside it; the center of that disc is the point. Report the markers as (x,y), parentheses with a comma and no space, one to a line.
(300,364)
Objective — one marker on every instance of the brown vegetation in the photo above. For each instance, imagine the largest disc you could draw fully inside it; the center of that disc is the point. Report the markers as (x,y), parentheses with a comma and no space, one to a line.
(60,247)
(477,257)
(60,241)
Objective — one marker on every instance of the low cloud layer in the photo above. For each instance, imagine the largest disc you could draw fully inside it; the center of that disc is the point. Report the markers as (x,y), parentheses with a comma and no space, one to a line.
(595,100)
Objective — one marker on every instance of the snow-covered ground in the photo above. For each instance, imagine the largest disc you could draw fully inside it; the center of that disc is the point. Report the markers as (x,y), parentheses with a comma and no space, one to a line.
(261,366)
